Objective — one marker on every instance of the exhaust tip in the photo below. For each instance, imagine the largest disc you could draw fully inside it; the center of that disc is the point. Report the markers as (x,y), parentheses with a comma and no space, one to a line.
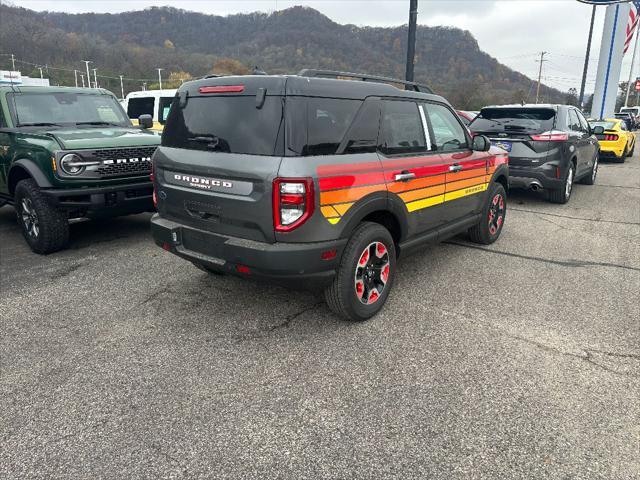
(535,186)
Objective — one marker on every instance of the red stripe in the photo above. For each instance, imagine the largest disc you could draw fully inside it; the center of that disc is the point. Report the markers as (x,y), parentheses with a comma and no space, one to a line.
(347,181)
(329,170)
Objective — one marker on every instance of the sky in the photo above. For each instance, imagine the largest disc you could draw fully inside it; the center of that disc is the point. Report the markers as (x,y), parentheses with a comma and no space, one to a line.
(513,31)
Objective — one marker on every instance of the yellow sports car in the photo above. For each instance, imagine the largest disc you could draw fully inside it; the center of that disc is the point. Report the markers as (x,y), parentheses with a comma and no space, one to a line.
(616,142)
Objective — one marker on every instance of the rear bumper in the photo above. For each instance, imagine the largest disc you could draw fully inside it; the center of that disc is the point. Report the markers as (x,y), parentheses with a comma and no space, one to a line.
(294,265)
(611,154)
(112,200)
(543,177)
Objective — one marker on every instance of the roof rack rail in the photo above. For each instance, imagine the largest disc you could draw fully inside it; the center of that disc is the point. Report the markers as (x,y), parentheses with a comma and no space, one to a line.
(365,78)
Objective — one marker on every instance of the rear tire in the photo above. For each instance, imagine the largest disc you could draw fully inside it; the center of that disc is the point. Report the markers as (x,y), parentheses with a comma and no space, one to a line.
(488,229)
(365,275)
(45,229)
(562,195)
(590,179)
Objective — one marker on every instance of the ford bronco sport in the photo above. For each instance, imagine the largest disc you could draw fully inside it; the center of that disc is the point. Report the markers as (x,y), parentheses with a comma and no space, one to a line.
(70,153)
(320,182)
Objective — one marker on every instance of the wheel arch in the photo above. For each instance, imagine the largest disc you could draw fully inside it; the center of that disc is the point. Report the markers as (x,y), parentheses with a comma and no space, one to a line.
(24,169)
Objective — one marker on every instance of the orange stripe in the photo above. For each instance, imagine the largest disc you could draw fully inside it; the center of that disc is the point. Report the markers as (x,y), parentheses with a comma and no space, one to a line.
(455,176)
(329,211)
(417,183)
(422,193)
(349,194)
(452,186)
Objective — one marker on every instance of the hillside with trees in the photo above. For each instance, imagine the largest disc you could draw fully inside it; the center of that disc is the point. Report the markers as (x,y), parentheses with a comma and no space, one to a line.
(189,44)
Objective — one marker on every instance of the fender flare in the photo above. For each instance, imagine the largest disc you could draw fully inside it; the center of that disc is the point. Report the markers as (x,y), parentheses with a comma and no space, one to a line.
(30,167)
(375,202)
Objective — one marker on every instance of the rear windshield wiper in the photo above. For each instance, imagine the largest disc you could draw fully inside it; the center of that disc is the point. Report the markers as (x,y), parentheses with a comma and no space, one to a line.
(98,123)
(212,142)
(39,124)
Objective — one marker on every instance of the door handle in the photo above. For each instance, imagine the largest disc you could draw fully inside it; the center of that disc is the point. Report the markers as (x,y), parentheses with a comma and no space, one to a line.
(404,176)
(456,167)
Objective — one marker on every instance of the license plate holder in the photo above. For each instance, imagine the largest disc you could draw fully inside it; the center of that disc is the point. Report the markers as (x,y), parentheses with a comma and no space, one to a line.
(503,144)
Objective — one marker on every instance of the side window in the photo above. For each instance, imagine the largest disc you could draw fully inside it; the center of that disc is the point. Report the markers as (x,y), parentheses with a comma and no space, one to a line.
(362,136)
(140,106)
(163,109)
(583,122)
(402,128)
(448,134)
(574,123)
(327,122)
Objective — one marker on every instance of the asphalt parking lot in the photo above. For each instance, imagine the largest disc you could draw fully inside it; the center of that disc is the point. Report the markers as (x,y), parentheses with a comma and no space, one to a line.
(521,360)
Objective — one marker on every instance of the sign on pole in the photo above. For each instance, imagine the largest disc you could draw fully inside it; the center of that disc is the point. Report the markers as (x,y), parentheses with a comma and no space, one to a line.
(610,61)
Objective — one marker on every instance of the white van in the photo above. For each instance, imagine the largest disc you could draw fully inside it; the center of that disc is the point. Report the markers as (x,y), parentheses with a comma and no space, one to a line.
(151,102)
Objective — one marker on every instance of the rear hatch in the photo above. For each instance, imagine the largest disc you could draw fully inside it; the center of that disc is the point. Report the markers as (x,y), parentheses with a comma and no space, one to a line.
(521,131)
(221,149)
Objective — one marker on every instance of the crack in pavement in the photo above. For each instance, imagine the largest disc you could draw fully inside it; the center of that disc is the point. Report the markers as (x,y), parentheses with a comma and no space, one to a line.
(572,218)
(65,271)
(616,186)
(571,263)
(288,319)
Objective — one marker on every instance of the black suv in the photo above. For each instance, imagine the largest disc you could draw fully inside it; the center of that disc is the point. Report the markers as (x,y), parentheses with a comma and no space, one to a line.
(320,182)
(549,146)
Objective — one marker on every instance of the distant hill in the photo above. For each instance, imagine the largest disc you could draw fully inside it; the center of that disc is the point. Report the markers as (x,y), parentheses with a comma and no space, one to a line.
(136,43)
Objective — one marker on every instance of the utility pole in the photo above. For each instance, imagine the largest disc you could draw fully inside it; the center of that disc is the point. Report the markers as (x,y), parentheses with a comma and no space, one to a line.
(121,87)
(411,40)
(75,76)
(95,78)
(13,62)
(542,54)
(586,59)
(160,77)
(82,77)
(633,66)
(144,86)
(40,68)
(87,62)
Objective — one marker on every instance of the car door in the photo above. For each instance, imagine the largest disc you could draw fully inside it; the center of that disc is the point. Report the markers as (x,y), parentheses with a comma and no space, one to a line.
(466,169)
(578,142)
(590,140)
(5,143)
(414,172)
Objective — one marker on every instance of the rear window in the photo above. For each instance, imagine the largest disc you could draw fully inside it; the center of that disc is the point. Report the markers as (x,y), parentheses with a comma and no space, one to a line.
(230,124)
(529,120)
(140,106)
(605,125)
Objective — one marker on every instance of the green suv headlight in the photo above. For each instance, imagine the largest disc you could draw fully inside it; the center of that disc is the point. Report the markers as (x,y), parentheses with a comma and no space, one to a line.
(72,164)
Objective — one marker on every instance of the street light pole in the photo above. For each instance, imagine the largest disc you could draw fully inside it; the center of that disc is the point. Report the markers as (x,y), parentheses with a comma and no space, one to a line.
(82,77)
(75,76)
(160,77)
(40,68)
(411,40)
(586,59)
(95,77)
(633,66)
(13,62)
(121,87)
(87,62)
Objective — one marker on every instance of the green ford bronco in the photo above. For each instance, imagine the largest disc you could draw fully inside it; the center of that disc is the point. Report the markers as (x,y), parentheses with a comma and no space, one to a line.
(69,154)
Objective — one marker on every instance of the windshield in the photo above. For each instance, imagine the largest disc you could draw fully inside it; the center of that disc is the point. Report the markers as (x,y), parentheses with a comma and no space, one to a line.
(226,124)
(529,120)
(66,109)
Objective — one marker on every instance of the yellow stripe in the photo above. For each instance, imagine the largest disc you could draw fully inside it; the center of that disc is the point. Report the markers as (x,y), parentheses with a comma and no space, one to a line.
(333,221)
(342,208)
(424,203)
(465,192)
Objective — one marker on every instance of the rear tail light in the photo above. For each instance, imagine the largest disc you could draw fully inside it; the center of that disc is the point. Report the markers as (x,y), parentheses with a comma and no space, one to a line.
(551,136)
(293,202)
(610,137)
(222,89)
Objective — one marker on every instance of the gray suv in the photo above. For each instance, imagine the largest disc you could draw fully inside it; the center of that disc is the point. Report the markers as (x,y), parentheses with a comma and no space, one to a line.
(320,180)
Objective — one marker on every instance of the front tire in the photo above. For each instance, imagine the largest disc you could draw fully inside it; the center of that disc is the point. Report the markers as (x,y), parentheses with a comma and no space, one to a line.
(365,275)
(45,229)
(562,195)
(488,229)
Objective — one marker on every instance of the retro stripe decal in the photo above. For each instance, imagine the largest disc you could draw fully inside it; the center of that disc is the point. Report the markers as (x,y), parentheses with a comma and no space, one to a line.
(343,185)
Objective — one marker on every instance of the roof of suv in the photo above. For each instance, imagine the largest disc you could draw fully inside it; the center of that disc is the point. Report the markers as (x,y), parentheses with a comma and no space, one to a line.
(37,89)
(529,105)
(308,86)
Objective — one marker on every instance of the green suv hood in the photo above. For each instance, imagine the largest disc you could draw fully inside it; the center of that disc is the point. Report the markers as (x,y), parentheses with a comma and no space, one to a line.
(84,138)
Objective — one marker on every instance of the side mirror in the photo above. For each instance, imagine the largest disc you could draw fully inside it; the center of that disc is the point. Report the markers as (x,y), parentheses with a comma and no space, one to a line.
(145,121)
(481,143)
(599,130)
